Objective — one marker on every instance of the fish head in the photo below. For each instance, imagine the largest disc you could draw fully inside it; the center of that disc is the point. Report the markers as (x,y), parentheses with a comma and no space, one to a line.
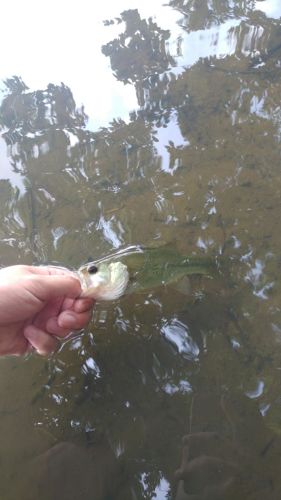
(104,280)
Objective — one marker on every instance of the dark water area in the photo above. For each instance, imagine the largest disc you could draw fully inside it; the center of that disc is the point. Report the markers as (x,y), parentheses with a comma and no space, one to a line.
(133,124)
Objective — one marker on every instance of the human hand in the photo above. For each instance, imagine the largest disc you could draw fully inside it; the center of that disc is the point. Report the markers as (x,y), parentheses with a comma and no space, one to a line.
(37,305)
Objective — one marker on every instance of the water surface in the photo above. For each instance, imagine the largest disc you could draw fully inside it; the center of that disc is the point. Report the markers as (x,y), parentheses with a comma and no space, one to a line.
(126,124)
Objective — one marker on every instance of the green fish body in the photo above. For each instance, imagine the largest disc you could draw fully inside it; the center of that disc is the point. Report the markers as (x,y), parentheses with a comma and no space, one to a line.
(140,269)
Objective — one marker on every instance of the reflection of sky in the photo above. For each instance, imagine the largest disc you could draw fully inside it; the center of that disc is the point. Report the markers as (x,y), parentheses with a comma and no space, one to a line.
(216,41)
(62,42)
(271,8)
(169,133)
(177,333)
(161,491)
(6,170)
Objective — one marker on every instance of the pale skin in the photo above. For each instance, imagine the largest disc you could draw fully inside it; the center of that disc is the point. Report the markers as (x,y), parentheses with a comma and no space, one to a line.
(39,305)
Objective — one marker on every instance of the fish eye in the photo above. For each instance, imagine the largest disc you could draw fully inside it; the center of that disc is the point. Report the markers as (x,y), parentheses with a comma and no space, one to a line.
(92,269)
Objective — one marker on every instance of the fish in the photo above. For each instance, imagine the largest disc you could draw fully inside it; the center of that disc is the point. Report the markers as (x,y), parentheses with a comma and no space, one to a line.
(138,269)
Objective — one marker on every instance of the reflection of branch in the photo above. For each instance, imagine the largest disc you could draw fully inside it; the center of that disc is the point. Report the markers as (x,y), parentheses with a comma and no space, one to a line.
(140,51)
(250,71)
(33,231)
(23,113)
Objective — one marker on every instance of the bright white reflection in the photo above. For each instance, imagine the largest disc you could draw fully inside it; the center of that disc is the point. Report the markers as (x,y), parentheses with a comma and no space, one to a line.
(218,41)
(170,134)
(257,278)
(271,8)
(90,365)
(177,333)
(161,491)
(264,409)
(257,392)
(109,233)
(61,42)
(183,387)
(57,233)
(7,171)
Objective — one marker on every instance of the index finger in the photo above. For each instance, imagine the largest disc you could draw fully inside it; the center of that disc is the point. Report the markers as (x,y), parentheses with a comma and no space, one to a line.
(45,288)
(52,271)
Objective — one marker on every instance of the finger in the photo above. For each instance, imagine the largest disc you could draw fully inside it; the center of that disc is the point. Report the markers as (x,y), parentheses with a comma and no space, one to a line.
(45,288)
(74,321)
(51,310)
(83,305)
(78,305)
(54,328)
(67,304)
(42,342)
(51,270)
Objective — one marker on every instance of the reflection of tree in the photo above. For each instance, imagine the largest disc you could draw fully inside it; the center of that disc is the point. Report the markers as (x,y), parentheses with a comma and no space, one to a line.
(87,192)
(256,36)
(205,13)
(41,111)
(28,111)
(140,55)
(140,51)
(256,40)
(228,110)
(49,145)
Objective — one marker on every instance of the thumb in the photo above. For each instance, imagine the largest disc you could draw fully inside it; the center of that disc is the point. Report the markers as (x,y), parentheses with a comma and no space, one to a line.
(45,288)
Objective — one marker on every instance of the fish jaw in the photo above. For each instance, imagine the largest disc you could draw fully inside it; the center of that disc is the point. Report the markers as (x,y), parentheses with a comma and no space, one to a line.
(109,283)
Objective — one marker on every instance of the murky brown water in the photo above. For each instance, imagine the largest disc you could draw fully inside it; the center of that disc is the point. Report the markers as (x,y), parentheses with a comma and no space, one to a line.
(191,157)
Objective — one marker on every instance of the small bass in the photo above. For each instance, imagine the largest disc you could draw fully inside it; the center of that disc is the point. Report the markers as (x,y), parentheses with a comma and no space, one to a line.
(138,269)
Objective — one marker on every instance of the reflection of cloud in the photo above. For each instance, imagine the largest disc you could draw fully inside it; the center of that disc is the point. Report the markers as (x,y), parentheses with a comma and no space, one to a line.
(177,333)
(162,489)
(72,53)
(90,366)
(109,233)
(74,49)
(167,134)
(79,62)
(271,8)
(257,278)
(57,233)
(256,272)
(183,387)
(261,106)
(160,492)
(257,392)
(7,171)
(219,41)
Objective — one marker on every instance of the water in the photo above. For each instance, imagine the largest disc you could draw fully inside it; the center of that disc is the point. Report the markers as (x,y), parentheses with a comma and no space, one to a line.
(166,128)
